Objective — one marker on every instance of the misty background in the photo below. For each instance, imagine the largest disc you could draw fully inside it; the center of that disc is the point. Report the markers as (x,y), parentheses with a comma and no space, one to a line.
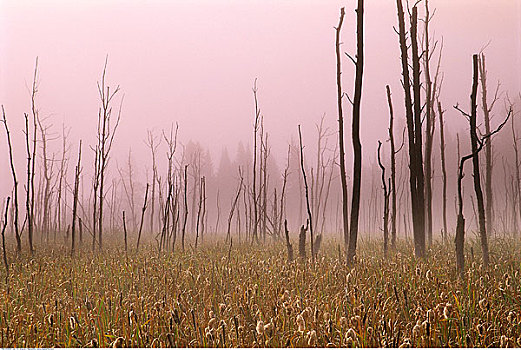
(194,63)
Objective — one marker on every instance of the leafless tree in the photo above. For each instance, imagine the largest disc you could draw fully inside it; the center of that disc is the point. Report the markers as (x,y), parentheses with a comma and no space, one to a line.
(3,238)
(310,216)
(386,184)
(143,209)
(15,185)
(105,138)
(355,132)
(413,116)
(489,165)
(343,176)
(75,199)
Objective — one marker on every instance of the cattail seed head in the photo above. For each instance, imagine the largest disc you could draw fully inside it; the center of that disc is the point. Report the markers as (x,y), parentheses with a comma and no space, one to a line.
(260,327)
(301,324)
(119,342)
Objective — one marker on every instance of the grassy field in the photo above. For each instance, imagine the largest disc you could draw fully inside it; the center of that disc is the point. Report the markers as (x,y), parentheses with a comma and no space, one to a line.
(251,296)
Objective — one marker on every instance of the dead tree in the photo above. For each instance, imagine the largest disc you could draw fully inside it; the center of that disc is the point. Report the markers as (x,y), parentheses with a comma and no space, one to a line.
(15,186)
(153,148)
(254,186)
(460,226)
(476,146)
(302,240)
(234,205)
(3,239)
(105,138)
(125,231)
(343,176)
(143,209)
(310,217)
(385,187)
(392,186)
(516,165)
(185,219)
(75,199)
(200,206)
(488,146)
(443,170)
(413,116)
(289,247)
(355,132)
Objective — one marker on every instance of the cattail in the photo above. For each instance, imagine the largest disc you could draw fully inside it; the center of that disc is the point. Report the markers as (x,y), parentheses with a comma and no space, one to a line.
(301,324)
(480,328)
(260,327)
(72,322)
(428,275)
(212,323)
(503,341)
(312,338)
(406,343)
(211,314)
(416,330)
(430,316)
(418,271)
(326,316)
(119,342)
(222,308)
(343,321)
(170,338)
(268,328)
(482,304)
(447,310)
(511,318)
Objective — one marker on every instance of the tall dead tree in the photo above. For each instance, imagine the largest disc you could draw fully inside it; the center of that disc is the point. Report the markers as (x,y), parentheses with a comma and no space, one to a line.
(517,187)
(153,148)
(355,132)
(105,138)
(392,187)
(185,218)
(254,186)
(413,116)
(75,199)
(310,217)
(443,170)
(234,205)
(3,239)
(143,209)
(488,146)
(385,186)
(15,186)
(476,146)
(343,176)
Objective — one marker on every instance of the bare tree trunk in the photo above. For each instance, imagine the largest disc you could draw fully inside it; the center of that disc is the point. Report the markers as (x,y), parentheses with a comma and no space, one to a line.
(443,170)
(343,176)
(185,219)
(488,147)
(289,247)
(310,217)
(15,186)
(516,165)
(254,188)
(393,168)
(416,180)
(75,199)
(125,231)
(475,161)
(357,146)
(234,204)
(143,209)
(386,202)
(3,239)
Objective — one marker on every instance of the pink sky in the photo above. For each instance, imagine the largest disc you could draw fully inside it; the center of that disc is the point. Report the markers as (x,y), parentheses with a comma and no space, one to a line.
(194,62)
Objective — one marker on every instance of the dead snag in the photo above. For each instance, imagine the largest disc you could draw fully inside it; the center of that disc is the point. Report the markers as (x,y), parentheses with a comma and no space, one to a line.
(386,186)
(15,186)
(3,238)
(289,247)
(343,176)
(143,209)
(75,200)
(310,218)
(355,132)
(125,231)
(302,241)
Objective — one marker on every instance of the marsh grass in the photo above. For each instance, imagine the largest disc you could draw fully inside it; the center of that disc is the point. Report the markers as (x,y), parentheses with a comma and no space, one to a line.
(256,298)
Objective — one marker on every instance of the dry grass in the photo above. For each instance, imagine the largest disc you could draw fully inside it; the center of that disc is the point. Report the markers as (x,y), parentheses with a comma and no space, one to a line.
(258,299)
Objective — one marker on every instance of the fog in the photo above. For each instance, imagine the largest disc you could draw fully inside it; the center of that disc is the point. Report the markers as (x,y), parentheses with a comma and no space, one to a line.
(194,63)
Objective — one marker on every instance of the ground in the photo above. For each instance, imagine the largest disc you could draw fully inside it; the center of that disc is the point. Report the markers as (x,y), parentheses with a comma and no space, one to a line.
(252,296)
